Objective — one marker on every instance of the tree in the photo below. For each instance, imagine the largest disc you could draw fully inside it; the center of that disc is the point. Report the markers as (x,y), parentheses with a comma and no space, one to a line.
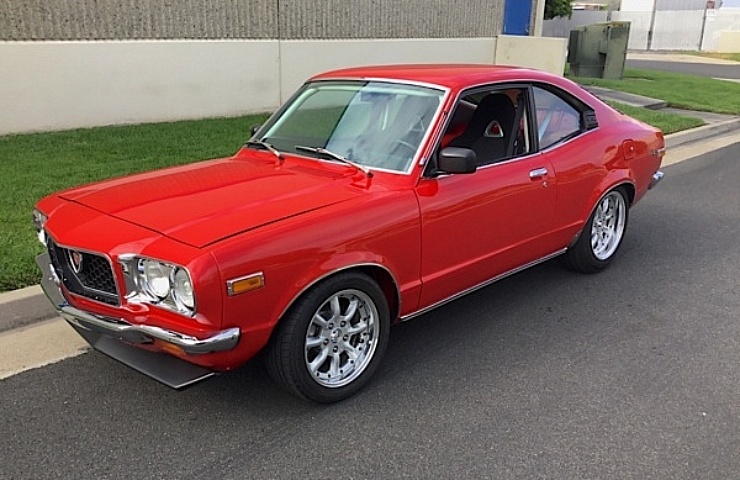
(557,8)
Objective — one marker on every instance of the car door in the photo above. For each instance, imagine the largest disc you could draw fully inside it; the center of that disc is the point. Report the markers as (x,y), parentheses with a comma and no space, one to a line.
(478,226)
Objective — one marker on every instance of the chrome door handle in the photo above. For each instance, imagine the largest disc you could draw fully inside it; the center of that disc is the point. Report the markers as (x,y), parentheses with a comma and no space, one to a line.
(537,173)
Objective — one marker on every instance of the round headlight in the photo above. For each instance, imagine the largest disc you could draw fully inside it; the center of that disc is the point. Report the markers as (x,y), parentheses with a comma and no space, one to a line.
(183,288)
(157,276)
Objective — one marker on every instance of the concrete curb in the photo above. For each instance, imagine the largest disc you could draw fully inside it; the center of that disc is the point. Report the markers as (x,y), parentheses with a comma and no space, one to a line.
(626,98)
(20,308)
(701,133)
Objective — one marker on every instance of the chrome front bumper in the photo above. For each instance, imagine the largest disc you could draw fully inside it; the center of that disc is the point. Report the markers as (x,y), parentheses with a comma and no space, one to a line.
(221,341)
(657,177)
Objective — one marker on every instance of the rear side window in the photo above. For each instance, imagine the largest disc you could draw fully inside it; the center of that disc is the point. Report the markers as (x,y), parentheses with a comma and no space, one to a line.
(557,120)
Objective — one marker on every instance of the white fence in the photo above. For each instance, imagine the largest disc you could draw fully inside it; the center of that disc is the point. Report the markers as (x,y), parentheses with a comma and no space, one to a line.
(661,30)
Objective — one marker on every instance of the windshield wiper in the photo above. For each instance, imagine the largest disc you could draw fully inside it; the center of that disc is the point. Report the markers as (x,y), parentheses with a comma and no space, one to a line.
(265,146)
(337,157)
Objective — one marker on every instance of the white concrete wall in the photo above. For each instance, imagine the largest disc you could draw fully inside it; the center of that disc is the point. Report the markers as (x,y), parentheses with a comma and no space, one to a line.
(729,42)
(721,27)
(301,59)
(62,85)
(543,53)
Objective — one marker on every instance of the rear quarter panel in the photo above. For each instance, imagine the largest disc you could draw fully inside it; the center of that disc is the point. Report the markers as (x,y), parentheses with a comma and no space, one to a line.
(621,151)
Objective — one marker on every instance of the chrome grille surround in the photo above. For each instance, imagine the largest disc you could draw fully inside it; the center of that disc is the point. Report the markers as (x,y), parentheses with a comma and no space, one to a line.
(84,273)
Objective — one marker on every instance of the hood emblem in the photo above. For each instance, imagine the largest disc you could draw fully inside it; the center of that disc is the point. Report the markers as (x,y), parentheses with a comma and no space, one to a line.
(75,260)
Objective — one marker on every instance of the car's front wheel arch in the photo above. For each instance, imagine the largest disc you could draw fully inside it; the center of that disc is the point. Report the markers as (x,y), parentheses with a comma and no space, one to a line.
(306,347)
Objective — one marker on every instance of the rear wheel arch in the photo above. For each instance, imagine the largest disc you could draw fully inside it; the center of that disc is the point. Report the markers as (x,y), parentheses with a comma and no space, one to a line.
(608,233)
(629,190)
(625,184)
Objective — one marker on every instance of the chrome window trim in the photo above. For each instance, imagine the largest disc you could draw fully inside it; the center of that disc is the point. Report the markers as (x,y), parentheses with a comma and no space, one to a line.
(418,157)
(398,81)
(580,135)
(528,84)
(460,97)
(564,95)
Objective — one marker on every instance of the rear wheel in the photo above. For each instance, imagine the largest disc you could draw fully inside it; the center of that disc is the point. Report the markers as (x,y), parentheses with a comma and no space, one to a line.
(601,236)
(332,340)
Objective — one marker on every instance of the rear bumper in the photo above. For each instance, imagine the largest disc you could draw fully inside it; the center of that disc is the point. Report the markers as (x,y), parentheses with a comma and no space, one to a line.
(99,330)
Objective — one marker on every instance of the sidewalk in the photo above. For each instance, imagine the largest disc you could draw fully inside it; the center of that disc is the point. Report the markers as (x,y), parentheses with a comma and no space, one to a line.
(27,306)
(716,123)
(678,57)
(24,307)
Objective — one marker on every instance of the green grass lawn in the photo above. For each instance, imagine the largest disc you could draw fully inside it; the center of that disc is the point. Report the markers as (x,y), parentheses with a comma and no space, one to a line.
(32,166)
(690,92)
(667,122)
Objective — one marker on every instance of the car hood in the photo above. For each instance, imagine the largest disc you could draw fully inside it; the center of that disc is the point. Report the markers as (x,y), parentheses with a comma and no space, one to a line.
(203,203)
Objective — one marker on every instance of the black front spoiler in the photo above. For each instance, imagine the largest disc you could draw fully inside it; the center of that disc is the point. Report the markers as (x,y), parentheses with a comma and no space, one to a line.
(164,368)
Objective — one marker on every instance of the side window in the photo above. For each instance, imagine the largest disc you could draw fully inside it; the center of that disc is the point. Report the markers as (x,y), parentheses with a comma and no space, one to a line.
(493,123)
(557,120)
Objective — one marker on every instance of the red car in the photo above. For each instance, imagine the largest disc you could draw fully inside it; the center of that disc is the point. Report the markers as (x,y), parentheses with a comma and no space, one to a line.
(374,195)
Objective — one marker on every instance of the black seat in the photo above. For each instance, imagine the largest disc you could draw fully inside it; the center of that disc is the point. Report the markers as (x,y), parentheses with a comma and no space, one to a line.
(489,129)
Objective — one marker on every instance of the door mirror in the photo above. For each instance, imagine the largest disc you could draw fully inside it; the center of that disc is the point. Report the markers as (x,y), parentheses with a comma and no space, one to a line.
(457,160)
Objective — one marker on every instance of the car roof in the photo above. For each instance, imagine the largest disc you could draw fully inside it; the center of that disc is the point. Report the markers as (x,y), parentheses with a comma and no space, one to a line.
(452,76)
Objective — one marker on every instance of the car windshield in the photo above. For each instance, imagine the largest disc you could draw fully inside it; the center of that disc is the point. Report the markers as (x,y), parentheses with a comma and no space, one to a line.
(378,125)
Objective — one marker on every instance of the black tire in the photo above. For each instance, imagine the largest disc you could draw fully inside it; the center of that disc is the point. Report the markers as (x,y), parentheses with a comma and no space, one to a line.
(584,256)
(308,347)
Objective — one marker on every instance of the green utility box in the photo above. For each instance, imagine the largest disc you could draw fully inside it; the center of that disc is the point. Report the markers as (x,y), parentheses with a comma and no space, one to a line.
(599,50)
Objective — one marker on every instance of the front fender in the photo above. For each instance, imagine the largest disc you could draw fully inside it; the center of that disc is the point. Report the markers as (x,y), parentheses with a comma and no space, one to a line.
(381,231)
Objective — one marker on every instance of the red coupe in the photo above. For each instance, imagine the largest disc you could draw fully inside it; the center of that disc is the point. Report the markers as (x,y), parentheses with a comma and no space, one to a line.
(372,196)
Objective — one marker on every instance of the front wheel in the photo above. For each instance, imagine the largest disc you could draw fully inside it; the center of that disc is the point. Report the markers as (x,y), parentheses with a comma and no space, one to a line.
(601,236)
(332,340)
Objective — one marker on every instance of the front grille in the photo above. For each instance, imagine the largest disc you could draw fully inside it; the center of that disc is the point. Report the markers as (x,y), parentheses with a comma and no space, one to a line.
(83,273)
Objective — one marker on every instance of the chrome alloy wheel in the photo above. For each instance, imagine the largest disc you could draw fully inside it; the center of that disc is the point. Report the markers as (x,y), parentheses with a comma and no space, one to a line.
(608,224)
(341,338)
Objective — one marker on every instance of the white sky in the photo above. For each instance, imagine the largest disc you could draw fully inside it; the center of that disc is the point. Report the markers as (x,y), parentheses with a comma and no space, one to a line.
(731,3)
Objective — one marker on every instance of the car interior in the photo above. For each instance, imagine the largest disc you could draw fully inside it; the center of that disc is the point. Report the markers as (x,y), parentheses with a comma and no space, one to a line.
(492,123)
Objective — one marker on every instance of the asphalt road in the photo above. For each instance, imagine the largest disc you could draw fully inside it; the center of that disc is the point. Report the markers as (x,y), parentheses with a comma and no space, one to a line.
(631,373)
(701,69)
